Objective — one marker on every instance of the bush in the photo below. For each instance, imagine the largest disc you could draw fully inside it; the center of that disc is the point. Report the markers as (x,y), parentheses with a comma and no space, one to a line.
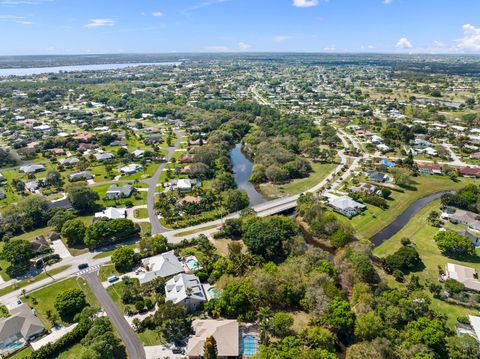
(70,302)
(124,259)
(405,260)
(453,286)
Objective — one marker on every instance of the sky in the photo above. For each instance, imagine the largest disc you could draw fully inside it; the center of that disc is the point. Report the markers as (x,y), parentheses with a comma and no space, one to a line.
(166,26)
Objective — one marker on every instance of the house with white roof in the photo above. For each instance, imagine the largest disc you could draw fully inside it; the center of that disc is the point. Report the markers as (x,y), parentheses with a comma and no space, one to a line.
(29,169)
(112,213)
(130,169)
(185,289)
(225,332)
(162,265)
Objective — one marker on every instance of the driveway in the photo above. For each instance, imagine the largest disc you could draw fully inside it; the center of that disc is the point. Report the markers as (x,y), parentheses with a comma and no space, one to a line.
(59,248)
(130,339)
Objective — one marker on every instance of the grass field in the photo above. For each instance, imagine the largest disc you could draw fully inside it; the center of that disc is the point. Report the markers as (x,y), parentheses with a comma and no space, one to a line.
(141,213)
(45,297)
(115,292)
(193,231)
(375,219)
(320,171)
(151,337)
(107,271)
(421,234)
(23,354)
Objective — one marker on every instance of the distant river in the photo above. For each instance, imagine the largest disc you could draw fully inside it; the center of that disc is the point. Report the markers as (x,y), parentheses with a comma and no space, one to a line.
(242,169)
(28,71)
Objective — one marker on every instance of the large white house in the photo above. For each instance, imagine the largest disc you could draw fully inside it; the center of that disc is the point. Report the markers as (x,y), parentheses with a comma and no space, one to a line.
(162,265)
(185,289)
(112,213)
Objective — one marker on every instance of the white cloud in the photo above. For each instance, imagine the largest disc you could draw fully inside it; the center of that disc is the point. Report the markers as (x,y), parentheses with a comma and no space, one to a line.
(243,46)
(282,38)
(387,2)
(99,23)
(329,48)
(471,38)
(305,3)
(218,48)
(404,43)
(16,19)
(157,14)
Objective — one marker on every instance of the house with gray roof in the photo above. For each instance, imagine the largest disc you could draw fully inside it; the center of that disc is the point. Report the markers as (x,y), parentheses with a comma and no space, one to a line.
(16,330)
(78,176)
(346,206)
(162,265)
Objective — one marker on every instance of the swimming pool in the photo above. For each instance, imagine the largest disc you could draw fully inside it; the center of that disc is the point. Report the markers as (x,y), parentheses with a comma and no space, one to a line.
(249,345)
(192,264)
(213,293)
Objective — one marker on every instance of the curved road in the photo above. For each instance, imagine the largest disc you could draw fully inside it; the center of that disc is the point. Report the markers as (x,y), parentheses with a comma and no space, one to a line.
(152,188)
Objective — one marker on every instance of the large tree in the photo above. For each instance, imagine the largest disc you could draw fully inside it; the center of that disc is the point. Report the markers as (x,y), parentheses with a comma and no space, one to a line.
(83,199)
(73,231)
(70,302)
(269,237)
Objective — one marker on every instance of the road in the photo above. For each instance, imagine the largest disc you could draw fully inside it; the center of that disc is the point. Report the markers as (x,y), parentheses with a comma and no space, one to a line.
(152,188)
(132,342)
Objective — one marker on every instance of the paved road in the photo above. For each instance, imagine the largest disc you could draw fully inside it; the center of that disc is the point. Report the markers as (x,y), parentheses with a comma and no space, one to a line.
(152,188)
(132,342)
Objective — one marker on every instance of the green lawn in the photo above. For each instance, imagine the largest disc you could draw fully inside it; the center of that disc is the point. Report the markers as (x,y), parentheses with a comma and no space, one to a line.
(421,234)
(73,352)
(45,297)
(141,213)
(193,231)
(115,291)
(375,219)
(107,271)
(320,172)
(110,252)
(23,354)
(137,198)
(150,338)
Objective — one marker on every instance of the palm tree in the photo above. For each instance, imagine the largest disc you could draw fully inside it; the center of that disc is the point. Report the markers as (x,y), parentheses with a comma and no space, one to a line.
(264,318)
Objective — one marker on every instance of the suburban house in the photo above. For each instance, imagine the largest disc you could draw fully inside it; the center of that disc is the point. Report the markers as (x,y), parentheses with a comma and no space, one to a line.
(466,275)
(377,176)
(69,161)
(78,176)
(474,238)
(469,172)
(116,192)
(225,332)
(138,153)
(472,329)
(16,330)
(162,265)
(189,200)
(185,289)
(40,245)
(30,169)
(430,169)
(460,216)
(130,169)
(153,139)
(365,188)
(103,156)
(346,206)
(32,185)
(112,213)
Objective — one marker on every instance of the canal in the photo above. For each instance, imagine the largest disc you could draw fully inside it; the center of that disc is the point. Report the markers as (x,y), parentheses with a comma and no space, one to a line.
(242,170)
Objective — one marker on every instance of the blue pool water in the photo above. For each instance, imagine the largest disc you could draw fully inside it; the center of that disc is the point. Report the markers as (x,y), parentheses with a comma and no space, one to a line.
(249,345)
(14,345)
(192,264)
(212,292)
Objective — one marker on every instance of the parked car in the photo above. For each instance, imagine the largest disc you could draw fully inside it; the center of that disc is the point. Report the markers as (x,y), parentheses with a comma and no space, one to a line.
(83,266)
(112,279)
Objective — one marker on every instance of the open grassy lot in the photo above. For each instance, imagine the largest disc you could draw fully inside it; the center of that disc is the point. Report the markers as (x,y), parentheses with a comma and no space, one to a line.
(22,354)
(141,213)
(320,171)
(193,231)
(421,234)
(73,352)
(45,298)
(115,291)
(151,337)
(375,219)
(107,271)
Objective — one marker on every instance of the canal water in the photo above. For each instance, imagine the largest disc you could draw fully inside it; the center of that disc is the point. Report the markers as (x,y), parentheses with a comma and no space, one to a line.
(28,71)
(242,169)
(394,227)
